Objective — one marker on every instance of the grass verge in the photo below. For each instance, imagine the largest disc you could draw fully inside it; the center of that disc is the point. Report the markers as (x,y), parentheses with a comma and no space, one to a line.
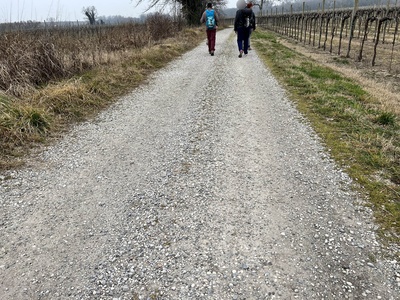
(42,114)
(361,137)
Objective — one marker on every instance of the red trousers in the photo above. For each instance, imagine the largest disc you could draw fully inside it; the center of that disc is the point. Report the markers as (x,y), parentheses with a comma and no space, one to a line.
(211,33)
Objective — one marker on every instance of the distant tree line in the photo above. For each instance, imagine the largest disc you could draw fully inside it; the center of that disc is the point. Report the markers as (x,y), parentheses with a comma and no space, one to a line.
(191,10)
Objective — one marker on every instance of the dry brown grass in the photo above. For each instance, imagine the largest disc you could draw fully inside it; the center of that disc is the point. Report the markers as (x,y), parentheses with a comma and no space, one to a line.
(88,75)
(29,59)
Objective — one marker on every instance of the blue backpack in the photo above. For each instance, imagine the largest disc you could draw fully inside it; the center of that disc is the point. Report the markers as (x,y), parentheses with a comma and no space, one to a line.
(210,19)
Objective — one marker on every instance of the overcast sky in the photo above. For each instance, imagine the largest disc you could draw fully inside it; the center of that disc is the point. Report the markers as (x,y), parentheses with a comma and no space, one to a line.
(69,10)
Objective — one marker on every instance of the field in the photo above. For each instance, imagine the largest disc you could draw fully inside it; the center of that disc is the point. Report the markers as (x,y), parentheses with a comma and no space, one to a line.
(369,36)
(32,58)
(53,77)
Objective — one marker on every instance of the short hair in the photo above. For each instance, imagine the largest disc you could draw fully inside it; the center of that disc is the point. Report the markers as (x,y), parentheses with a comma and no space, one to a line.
(209,5)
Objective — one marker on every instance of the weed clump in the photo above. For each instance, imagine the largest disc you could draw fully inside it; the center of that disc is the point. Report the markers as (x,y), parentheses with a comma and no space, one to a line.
(386,118)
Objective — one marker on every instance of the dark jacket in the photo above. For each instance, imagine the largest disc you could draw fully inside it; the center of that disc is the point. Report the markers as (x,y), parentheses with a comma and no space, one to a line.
(253,20)
(240,19)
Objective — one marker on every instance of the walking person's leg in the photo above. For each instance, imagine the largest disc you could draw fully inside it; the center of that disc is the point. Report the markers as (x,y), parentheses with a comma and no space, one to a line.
(250,31)
(240,41)
(246,40)
(209,40)
(213,34)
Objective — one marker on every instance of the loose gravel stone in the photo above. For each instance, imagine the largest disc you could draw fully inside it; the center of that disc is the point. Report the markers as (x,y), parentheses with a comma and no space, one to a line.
(205,183)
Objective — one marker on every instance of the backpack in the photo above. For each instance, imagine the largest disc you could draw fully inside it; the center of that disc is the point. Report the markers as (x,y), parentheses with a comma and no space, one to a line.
(248,18)
(210,19)
(247,22)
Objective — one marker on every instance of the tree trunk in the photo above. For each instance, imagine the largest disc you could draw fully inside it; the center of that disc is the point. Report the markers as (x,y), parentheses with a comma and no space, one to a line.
(192,10)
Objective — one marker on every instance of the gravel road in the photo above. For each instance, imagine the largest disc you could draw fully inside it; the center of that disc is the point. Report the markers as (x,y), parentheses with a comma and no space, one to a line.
(204,183)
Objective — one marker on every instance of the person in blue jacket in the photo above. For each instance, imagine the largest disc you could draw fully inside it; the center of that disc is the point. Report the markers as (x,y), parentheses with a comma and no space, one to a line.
(210,17)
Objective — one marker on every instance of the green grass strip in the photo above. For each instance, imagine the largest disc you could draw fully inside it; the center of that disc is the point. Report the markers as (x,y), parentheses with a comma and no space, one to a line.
(363,139)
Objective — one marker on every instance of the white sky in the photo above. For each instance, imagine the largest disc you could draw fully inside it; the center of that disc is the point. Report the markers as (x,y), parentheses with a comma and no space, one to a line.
(69,10)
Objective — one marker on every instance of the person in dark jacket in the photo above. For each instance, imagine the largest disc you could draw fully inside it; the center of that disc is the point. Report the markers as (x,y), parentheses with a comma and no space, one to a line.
(242,27)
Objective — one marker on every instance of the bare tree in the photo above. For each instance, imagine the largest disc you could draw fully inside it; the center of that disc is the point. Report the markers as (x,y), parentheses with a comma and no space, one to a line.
(190,9)
(262,4)
(91,13)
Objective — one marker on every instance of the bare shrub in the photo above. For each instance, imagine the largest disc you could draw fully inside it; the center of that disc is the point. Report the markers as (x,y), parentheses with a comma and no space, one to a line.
(44,112)
(26,61)
(31,58)
(161,26)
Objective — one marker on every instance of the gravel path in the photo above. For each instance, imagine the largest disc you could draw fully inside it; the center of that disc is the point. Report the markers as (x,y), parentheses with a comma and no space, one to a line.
(205,183)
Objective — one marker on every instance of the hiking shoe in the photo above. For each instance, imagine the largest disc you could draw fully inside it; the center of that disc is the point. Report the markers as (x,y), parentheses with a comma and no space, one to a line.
(241,53)
(250,48)
(212,53)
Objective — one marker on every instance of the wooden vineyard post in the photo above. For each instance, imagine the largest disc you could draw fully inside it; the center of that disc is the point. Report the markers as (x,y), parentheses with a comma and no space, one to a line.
(366,29)
(291,25)
(386,14)
(328,19)
(302,23)
(396,29)
(384,19)
(316,20)
(272,18)
(321,23)
(333,26)
(352,25)
(342,24)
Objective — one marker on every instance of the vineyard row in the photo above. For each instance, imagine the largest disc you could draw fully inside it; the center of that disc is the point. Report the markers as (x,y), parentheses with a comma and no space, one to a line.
(375,30)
